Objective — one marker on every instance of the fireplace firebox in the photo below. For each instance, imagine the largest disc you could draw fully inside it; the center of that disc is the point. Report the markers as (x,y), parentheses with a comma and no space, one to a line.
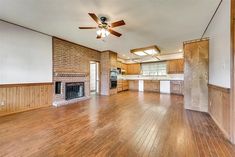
(74,90)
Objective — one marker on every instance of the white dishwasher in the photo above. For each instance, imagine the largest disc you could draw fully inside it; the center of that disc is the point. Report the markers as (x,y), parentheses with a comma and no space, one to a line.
(165,86)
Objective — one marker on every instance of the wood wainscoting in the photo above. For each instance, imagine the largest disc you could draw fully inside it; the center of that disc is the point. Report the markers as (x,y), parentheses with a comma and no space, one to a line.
(219,107)
(22,97)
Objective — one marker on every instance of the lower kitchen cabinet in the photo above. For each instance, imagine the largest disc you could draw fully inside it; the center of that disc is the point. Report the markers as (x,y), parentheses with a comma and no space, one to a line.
(125,85)
(177,87)
(134,85)
(122,85)
(152,85)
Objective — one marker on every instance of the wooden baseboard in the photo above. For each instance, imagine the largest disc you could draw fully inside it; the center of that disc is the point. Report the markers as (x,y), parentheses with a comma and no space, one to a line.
(26,110)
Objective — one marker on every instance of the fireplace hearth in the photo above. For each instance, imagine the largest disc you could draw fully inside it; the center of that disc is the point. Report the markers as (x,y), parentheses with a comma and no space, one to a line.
(74,90)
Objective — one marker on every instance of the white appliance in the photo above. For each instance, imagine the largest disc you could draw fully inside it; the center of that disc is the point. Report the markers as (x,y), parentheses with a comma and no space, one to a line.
(165,86)
(141,85)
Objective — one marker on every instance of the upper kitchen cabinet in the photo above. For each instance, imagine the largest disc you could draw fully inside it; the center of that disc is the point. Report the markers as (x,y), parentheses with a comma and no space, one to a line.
(124,66)
(119,64)
(175,66)
(133,69)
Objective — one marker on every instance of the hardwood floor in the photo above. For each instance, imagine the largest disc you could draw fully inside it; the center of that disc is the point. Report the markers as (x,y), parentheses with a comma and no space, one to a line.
(123,125)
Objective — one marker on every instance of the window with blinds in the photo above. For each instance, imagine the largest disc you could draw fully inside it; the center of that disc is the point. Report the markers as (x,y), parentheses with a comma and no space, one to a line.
(159,68)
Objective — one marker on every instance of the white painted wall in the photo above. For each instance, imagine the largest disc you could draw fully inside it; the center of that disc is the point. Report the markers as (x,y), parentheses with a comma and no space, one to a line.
(219,57)
(25,56)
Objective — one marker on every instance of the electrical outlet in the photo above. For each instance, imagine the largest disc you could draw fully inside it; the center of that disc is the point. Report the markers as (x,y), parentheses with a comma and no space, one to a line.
(210,103)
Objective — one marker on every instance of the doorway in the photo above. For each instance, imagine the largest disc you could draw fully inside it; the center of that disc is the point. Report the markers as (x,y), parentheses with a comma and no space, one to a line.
(94,77)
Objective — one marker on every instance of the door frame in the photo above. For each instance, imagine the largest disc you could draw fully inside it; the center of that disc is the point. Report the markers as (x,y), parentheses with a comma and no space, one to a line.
(99,71)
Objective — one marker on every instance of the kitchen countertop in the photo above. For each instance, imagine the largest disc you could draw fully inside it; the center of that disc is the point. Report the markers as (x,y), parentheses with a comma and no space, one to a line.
(168,77)
(153,79)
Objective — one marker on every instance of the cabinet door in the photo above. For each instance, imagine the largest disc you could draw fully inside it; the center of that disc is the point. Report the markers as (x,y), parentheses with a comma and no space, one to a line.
(119,64)
(171,67)
(175,66)
(125,85)
(177,87)
(129,69)
(124,66)
(133,69)
(134,85)
(180,66)
(152,85)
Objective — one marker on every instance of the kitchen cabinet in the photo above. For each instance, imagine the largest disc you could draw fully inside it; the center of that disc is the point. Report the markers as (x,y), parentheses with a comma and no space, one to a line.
(119,64)
(177,87)
(175,66)
(134,85)
(125,85)
(122,85)
(133,69)
(119,85)
(152,85)
(124,66)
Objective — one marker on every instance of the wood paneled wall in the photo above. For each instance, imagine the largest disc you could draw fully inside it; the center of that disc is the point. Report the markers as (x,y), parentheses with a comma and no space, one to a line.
(23,97)
(196,58)
(219,107)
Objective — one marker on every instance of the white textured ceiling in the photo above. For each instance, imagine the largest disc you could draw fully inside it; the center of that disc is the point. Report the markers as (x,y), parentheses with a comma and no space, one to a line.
(166,23)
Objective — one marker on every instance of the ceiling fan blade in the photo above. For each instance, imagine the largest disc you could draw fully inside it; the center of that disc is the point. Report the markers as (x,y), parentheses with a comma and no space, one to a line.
(87,27)
(98,37)
(94,17)
(115,33)
(117,24)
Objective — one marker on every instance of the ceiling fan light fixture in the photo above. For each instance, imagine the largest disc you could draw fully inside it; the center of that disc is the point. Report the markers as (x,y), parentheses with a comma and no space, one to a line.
(104,28)
(103,33)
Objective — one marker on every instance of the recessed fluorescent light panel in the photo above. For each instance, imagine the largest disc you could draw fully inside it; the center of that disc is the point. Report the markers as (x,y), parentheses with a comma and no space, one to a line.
(146,51)
(140,53)
(151,52)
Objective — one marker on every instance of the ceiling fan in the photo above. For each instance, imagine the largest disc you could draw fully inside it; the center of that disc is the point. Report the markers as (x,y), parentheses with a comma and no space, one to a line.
(104,29)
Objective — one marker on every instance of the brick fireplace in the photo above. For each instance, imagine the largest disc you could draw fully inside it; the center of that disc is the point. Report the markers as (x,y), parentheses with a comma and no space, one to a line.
(70,88)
